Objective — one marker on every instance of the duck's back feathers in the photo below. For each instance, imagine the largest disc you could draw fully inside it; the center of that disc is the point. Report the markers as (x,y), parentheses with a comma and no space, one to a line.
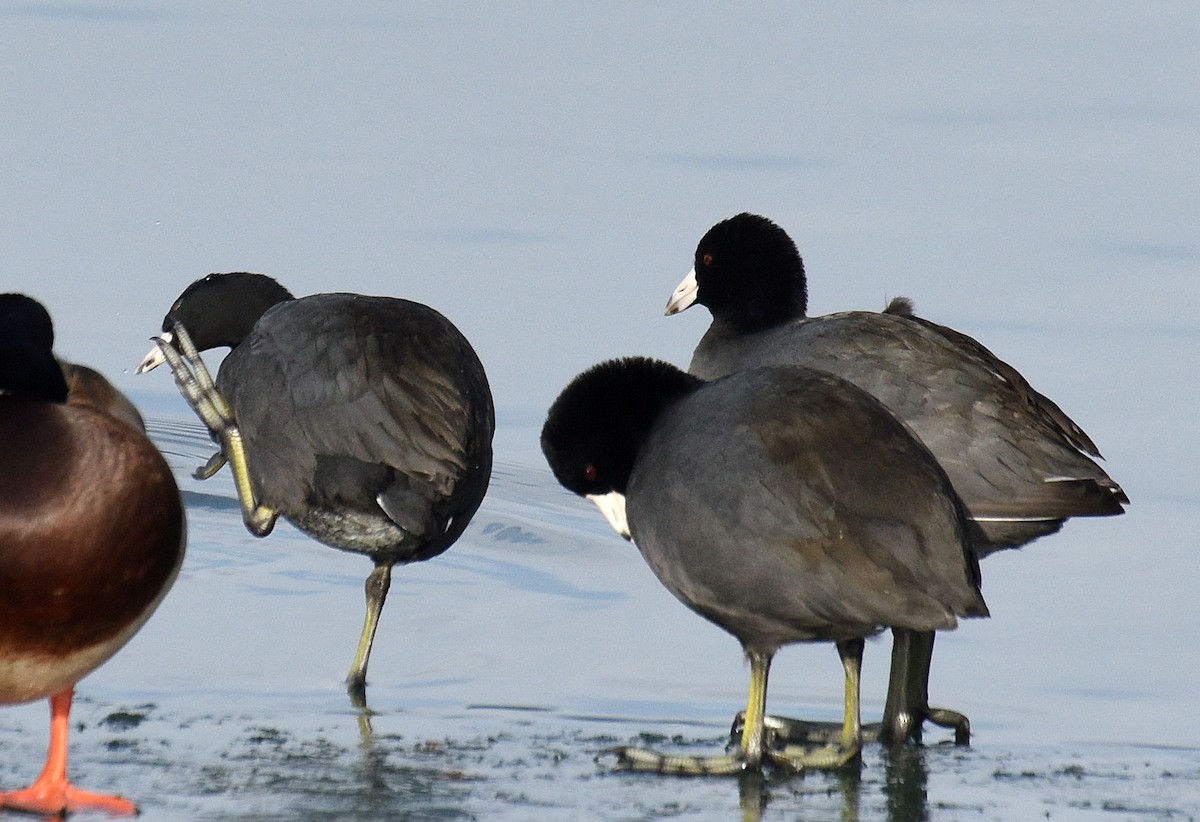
(91,538)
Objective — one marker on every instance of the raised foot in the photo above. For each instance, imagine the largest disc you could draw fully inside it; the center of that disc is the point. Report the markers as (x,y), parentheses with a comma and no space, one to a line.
(56,798)
(196,383)
(215,463)
(198,388)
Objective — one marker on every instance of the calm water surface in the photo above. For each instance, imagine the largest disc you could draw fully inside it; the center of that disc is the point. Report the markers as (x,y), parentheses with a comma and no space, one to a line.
(541,173)
(505,666)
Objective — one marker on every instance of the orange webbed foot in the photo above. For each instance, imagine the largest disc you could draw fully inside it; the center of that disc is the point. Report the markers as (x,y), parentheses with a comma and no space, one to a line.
(52,794)
(57,798)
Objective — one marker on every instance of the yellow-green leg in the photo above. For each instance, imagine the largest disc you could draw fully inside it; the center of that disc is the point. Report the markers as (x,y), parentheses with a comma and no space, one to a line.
(753,735)
(849,744)
(198,388)
(906,710)
(378,583)
(750,752)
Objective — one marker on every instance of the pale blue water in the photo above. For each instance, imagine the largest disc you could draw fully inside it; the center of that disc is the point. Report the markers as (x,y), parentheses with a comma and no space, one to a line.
(541,174)
(504,667)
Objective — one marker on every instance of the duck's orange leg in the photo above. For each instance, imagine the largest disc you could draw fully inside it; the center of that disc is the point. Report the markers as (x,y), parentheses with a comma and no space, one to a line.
(51,793)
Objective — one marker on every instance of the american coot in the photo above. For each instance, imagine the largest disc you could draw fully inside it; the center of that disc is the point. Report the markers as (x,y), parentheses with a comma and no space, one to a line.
(91,537)
(1021,466)
(783,504)
(366,422)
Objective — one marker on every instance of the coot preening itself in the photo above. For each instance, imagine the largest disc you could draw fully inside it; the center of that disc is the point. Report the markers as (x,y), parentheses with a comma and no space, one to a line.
(1021,466)
(783,504)
(366,422)
(91,537)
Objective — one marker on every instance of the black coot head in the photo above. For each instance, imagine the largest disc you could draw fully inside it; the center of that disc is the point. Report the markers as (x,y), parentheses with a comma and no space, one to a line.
(598,423)
(749,273)
(27,364)
(220,309)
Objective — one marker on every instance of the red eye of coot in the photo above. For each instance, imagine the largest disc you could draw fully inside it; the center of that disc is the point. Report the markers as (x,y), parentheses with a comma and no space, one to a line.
(589,473)
(707,260)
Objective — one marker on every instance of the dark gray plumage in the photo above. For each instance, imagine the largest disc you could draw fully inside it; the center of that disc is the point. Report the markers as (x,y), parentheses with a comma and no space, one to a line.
(367,421)
(1020,465)
(785,505)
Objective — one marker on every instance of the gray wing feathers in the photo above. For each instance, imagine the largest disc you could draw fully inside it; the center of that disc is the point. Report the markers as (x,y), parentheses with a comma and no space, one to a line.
(372,386)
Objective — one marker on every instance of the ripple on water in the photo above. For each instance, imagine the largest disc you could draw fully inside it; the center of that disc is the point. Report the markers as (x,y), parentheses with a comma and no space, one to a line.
(502,670)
